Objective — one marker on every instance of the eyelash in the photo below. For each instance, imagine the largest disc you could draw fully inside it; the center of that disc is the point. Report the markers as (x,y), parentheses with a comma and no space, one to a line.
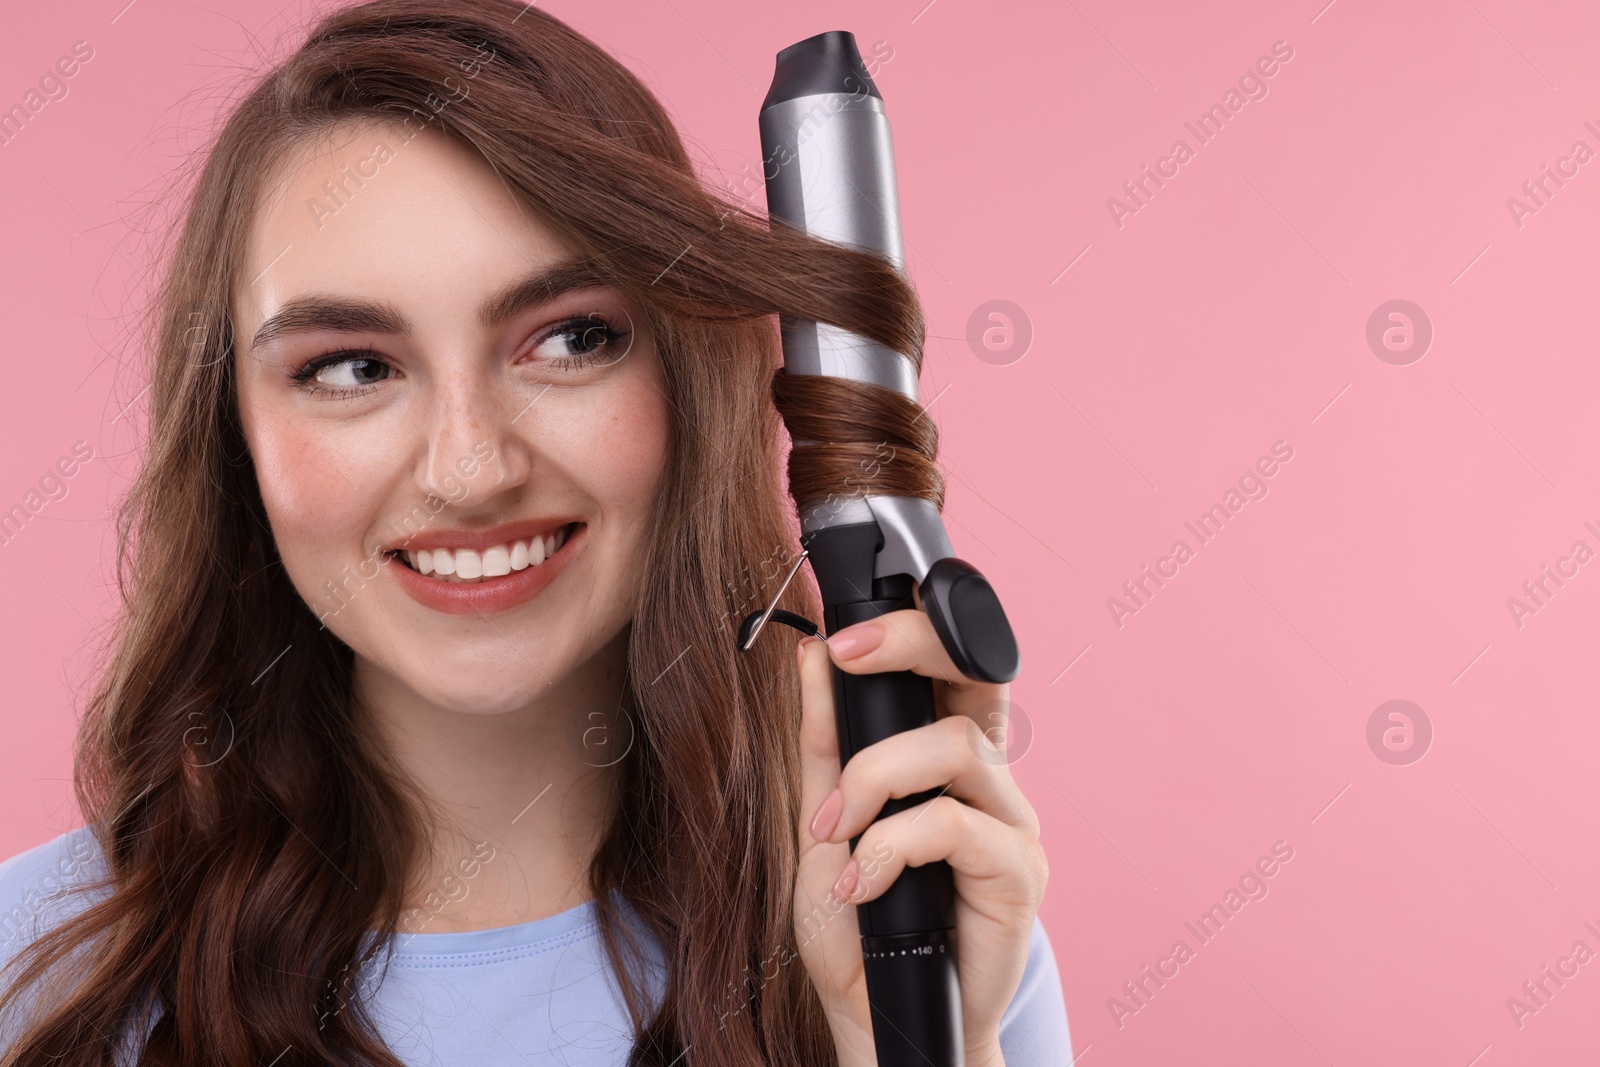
(306,375)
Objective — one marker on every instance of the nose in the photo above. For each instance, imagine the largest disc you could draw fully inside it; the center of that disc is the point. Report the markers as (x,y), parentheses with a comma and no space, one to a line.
(475,447)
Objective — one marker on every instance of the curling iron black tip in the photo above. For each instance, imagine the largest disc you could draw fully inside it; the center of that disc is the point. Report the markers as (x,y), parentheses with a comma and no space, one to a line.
(827,63)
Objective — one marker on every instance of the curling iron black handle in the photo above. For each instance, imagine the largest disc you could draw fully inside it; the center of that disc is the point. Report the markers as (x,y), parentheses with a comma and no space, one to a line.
(908,940)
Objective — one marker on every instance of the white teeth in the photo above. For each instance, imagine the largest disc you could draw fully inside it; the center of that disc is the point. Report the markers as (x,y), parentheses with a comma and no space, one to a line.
(496,561)
(469,566)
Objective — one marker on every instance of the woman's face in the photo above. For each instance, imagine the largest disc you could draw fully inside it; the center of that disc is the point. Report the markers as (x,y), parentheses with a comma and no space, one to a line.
(428,421)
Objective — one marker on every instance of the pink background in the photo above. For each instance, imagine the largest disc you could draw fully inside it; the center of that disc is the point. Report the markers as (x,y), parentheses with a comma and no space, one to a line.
(1228,313)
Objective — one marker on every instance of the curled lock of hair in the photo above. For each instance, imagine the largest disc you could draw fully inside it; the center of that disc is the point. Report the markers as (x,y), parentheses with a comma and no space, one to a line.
(856,439)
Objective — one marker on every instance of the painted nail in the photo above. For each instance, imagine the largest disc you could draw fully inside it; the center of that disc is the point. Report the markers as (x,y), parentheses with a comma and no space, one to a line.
(827,816)
(855,641)
(847,881)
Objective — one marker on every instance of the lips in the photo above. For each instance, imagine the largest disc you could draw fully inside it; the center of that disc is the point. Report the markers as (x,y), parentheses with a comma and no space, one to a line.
(467,565)
(484,592)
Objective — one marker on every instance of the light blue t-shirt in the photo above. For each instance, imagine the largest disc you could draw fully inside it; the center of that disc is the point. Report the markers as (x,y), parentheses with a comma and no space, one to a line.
(539,992)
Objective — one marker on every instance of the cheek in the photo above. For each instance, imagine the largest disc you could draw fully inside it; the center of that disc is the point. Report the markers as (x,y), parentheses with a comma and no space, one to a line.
(634,461)
(623,447)
(644,430)
(310,504)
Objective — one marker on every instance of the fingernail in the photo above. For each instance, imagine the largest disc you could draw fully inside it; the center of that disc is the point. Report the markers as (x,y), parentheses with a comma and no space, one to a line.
(855,640)
(847,881)
(827,816)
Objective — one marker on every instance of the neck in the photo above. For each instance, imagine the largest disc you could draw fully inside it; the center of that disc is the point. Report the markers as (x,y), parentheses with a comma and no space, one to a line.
(518,802)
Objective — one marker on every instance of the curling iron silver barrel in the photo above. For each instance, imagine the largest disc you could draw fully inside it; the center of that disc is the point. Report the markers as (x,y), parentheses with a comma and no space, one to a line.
(830,173)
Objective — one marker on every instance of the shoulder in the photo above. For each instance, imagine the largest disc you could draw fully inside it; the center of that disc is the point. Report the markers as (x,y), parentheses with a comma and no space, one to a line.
(1034,1026)
(40,889)
(37,887)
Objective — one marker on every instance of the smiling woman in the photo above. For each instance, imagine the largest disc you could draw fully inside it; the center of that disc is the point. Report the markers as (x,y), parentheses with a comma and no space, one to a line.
(510,418)
(442,328)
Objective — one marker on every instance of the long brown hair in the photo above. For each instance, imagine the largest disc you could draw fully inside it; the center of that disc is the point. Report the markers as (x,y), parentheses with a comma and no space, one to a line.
(242,889)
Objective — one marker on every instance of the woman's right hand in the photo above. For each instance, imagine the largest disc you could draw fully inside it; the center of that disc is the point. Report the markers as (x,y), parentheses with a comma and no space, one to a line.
(980,823)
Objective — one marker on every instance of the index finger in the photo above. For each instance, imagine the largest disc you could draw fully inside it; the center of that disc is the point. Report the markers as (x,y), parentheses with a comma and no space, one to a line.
(905,640)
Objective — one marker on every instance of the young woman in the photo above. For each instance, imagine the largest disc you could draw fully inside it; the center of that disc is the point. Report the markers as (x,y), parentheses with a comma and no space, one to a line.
(423,737)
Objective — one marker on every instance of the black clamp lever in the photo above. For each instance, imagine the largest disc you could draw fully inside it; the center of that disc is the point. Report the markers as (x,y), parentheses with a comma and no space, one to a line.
(959,601)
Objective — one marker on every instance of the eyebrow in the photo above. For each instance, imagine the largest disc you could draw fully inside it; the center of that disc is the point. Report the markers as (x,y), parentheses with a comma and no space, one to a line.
(342,315)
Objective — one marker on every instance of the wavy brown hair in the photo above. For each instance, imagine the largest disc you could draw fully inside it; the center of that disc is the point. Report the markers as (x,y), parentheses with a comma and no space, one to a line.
(241,889)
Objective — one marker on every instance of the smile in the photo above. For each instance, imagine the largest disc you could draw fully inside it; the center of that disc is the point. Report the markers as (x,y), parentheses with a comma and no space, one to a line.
(469,566)
(486,578)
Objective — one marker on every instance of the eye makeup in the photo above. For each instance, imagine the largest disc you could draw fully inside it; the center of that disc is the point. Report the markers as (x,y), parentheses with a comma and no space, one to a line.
(593,340)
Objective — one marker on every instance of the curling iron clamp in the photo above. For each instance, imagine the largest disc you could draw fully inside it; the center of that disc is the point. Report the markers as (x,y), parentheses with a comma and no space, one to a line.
(824,120)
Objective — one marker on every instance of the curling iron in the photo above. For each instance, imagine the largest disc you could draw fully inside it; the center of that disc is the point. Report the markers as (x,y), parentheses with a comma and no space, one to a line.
(831,174)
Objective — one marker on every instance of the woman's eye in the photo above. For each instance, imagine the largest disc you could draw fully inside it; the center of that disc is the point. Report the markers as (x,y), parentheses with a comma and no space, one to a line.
(583,341)
(352,372)
(342,373)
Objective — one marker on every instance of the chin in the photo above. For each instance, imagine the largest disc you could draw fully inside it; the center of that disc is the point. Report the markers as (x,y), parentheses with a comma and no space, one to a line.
(506,691)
